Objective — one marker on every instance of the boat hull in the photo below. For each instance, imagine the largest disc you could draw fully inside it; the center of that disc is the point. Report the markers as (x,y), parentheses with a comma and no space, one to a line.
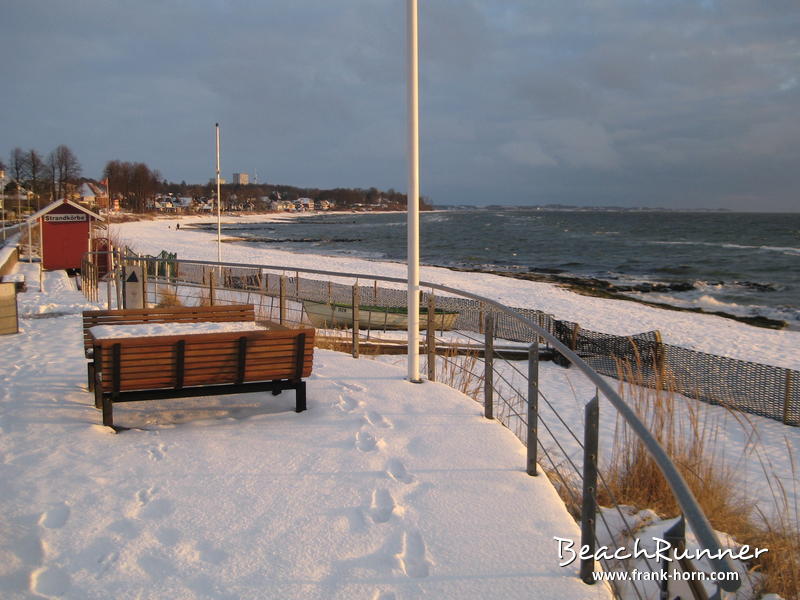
(325,316)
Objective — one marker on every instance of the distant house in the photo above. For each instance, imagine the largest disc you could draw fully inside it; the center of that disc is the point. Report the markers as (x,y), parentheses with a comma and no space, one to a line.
(86,194)
(281,205)
(325,204)
(183,203)
(304,204)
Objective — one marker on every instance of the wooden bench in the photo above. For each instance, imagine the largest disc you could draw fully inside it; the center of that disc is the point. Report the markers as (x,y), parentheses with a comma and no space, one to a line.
(201,364)
(173,314)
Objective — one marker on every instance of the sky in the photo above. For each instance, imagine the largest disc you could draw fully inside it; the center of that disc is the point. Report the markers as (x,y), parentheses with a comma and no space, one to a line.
(673,103)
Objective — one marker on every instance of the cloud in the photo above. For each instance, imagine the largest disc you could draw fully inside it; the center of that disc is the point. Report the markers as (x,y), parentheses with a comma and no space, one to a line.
(596,98)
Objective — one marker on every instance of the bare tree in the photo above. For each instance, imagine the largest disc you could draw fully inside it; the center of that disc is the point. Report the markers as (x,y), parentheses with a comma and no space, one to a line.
(64,170)
(135,182)
(36,172)
(18,165)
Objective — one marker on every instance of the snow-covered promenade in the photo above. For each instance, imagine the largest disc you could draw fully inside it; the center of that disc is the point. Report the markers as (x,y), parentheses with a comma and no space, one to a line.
(381,490)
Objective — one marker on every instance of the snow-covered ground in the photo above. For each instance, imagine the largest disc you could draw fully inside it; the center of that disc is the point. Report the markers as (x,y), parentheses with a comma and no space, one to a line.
(382,490)
(705,333)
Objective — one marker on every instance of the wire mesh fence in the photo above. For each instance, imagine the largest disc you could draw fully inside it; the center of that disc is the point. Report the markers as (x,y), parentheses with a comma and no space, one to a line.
(754,388)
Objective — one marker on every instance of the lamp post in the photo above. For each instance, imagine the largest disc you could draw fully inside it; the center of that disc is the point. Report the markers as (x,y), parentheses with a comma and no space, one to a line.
(219,202)
(3,203)
(412,202)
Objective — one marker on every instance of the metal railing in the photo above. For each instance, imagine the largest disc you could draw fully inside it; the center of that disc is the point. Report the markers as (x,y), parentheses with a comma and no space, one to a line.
(504,378)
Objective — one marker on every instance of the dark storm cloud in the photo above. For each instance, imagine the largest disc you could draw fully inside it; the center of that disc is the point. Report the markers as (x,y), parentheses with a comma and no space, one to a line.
(677,103)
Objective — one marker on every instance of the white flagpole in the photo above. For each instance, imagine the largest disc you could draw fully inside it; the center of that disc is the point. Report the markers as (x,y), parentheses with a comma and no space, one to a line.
(219,202)
(413,193)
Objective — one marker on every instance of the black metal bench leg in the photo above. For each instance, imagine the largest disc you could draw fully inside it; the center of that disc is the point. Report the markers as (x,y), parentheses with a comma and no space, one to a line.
(98,392)
(300,398)
(90,374)
(108,411)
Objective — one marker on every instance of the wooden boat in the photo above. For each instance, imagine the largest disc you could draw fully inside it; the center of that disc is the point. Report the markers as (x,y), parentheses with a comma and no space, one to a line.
(325,315)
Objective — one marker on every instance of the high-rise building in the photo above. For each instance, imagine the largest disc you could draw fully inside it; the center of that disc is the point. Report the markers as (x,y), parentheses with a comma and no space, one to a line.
(241,178)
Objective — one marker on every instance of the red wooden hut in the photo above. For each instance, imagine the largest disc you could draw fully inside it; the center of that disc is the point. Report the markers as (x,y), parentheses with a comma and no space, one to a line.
(66,233)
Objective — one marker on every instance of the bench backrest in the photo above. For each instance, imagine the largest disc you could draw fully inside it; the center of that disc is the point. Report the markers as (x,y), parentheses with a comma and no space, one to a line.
(175,362)
(172,314)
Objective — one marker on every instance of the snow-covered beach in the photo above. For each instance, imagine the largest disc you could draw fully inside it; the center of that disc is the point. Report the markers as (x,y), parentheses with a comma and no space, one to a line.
(382,490)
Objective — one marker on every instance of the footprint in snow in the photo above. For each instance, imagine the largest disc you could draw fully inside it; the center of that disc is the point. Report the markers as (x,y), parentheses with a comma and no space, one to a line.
(346,404)
(352,387)
(397,471)
(412,557)
(378,420)
(382,506)
(143,497)
(157,452)
(55,517)
(49,581)
(151,507)
(365,441)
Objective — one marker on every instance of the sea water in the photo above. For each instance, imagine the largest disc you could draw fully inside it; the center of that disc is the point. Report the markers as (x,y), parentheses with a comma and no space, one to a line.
(745,264)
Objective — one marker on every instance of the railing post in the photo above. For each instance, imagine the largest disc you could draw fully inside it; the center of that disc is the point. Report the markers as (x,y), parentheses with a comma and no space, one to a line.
(109,276)
(431,338)
(589,506)
(144,264)
(533,406)
(356,317)
(282,300)
(211,286)
(118,281)
(488,367)
(682,588)
(297,284)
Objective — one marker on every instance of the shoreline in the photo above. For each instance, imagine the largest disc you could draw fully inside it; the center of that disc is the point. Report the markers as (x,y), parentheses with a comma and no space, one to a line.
(583,285)
(598,288)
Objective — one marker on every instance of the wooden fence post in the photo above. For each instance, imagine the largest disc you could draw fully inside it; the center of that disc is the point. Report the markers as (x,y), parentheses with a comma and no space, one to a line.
(574,341)
(211,287)
(356,317)
(533,407)
(488,368)
(660,363)
(145,264)
(787,398)
(431,338)
(282,300)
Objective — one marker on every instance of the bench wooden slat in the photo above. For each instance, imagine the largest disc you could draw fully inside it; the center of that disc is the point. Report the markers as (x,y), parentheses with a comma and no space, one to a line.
(131,367)
(174,314)
(200,379)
